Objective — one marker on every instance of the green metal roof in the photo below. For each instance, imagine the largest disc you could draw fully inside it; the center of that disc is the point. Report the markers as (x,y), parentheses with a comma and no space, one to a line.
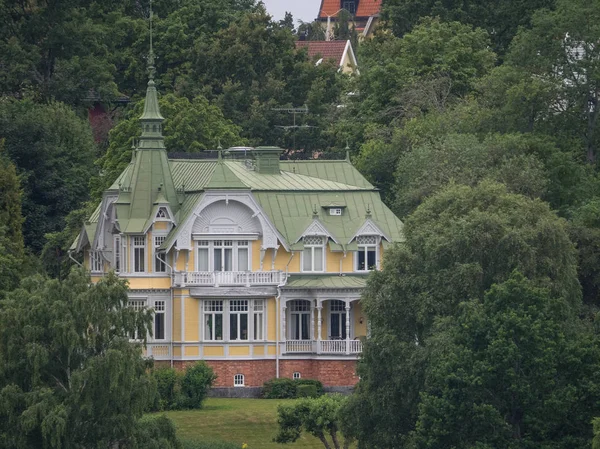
(325,281)
(291,213)
(288,198)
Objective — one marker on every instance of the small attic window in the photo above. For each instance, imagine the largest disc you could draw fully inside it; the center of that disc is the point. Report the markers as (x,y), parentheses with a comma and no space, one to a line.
(162,214)
(335,211)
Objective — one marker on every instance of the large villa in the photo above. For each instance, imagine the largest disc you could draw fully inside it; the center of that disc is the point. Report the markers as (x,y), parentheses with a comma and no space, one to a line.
(254,264)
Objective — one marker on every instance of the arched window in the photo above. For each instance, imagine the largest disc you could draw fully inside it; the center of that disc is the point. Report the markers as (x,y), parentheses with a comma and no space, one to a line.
(238,380)
(297,375)
(153,128)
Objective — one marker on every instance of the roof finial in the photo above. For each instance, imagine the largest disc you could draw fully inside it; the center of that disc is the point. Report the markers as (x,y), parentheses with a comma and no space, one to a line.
(347,150)
(368,215)
(151,58)
(315,213)
(219,147)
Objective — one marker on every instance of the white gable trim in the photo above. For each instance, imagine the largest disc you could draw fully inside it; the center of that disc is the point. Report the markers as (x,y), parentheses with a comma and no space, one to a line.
(370,228)
(349,51)
(270,238)
(106,216)
(318,229)
(155,210)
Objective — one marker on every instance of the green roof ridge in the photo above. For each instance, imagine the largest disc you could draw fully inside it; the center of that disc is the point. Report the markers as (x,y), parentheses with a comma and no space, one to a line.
(224,178)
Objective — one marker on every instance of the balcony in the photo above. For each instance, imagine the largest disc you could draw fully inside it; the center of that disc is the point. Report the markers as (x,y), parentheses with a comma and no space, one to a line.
(229,278)
(340,347)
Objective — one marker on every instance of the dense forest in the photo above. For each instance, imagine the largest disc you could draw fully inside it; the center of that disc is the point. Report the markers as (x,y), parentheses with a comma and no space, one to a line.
(479,123)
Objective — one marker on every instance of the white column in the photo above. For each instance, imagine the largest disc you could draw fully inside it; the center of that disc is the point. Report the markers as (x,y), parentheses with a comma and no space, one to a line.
(347,328)
(283,334)
(319,325)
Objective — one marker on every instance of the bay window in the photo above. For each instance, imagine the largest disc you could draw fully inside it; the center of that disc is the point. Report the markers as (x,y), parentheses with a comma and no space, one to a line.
(223,255)
(213,320)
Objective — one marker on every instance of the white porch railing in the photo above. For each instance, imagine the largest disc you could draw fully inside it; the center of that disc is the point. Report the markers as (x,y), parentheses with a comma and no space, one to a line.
(325,346)
(159,351)
(300,346)
(217,278)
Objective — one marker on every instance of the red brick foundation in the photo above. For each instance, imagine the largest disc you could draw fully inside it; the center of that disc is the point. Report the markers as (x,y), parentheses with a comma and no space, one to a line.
(332,373)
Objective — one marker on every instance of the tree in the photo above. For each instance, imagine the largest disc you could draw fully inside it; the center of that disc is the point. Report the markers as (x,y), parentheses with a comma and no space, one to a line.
(69,376)
(451,57)
(11,221)
(189,127)
(318,416)
(500,19)
(459,242)
(509,371)
(53,151)
(561,50)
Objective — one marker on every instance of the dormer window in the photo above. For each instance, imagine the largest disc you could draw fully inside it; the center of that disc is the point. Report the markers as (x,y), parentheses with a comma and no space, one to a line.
(335,211)
(366,255)
(313,255)
(349,5)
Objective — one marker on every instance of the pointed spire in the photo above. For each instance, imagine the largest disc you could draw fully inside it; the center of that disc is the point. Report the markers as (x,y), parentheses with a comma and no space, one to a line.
(151,109)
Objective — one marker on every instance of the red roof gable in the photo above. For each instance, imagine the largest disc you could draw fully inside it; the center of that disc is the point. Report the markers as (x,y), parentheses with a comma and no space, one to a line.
(325,49)
(366,8)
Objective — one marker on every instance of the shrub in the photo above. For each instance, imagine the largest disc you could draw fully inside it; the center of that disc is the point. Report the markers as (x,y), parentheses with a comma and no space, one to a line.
(195,383)
(316,383)
(306,391)
(168,386)
(282,388)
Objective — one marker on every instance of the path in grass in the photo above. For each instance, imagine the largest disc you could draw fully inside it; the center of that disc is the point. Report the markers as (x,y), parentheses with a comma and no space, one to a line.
(252,421)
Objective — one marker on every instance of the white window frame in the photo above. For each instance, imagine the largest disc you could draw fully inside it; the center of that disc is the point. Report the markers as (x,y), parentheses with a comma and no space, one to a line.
(299,307)
(137,305)
(310,244)
(337,307)
(239,380)
(335,211)
(297,375)
(135,239)
(234,244)
(366,242)
(258,319)
(96,262)
(239,308)
(158,240)
(214,308)
(160,312)
(117,254)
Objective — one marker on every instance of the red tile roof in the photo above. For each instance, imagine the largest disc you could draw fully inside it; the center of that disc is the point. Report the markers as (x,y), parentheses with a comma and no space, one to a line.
(366,8)
(325,49)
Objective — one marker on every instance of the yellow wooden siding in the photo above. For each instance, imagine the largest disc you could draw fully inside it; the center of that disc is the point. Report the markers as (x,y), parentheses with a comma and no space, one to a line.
(258,350)
(192,319)
(271,319)
(271,350)
(360,330)
(239,351)
(192,351)
(177,351)
(176,318)
(143,283)
(214,351)
(160,226)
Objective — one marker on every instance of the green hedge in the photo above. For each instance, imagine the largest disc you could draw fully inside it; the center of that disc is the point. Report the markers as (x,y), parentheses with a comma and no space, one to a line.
(306,391)
(284,388)
(182,390)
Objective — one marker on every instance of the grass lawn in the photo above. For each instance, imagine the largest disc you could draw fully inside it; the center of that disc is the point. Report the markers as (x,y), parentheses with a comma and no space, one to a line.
(252,421)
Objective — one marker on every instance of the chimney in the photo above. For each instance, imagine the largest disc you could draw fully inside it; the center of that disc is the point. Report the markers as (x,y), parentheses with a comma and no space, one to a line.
(267,160)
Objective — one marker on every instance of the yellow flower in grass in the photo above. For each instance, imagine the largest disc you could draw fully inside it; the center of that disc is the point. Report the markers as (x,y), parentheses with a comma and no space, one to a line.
(245,446)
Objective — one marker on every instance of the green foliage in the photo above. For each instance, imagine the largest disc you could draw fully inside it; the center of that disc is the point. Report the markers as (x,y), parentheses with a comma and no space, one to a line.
(168,389)
(460,241)
(284,388)
(69,376)
(195,383)
(155,432)
(318,416)
(182,390)
(53,151)
(501,20)
(306,391)
(194,444)
(189,127)
(509,371)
